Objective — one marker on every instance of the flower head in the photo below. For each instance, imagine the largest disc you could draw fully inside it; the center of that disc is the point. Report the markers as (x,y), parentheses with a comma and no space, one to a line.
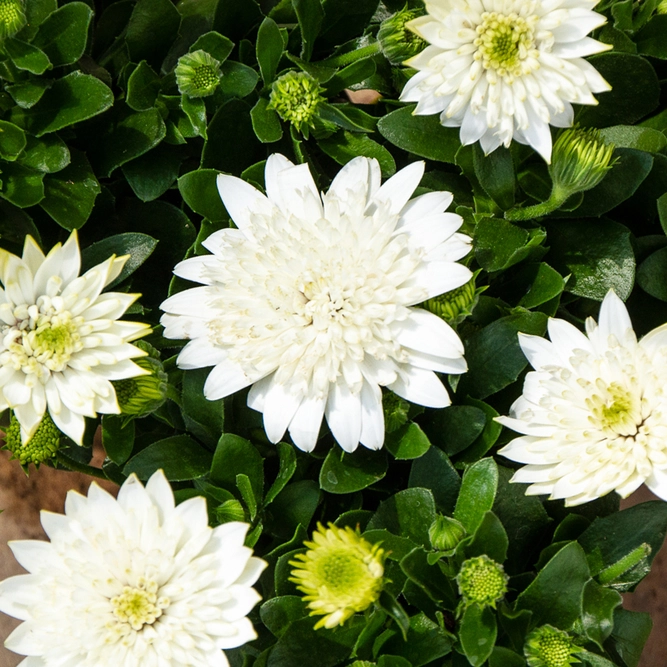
(12,17)
(547,646)
(197,74)
(139,396)
(41,447)
(296,96)
(594,410)
(60,339)
(505,70)
(482,581)
(340,573)
(311,299)
(456,305)
(445,533)
(133,582)
(397,42)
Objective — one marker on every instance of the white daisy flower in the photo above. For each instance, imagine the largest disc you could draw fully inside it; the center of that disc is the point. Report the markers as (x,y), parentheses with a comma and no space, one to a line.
(133,582)
(504,69)
(594,410)
(310,299)
(60,339)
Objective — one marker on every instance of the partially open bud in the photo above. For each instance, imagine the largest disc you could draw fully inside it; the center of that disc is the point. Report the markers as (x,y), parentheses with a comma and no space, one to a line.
(197,74)
(41,447)
(141,395)
(12,17)
(445,533)
(398,42)
(455,306)
(482,581)
(295,97)
(547,646)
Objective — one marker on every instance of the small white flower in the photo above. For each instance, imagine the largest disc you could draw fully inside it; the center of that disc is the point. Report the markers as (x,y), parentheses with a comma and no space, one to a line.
(311,299)
(504,69)
(594,410)
(60,339)
(133,582)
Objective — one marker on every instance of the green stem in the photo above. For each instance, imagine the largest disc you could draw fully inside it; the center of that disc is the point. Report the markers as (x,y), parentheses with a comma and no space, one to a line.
(76,466)
(352,56)
(555,201)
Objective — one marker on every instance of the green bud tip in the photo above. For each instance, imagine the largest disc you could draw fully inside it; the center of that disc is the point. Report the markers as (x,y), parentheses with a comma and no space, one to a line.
(395,411)
(398,42)
(482,581)
(197,74)
(295,97)
(142,394)
(547,646)
(445,533)
(41,447)
(580,160)
(662,7)
(12,17)
(455,306)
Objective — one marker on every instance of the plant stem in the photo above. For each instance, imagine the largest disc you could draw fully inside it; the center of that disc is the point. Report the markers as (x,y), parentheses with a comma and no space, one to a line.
(555,201)
(76,466)
(352,56)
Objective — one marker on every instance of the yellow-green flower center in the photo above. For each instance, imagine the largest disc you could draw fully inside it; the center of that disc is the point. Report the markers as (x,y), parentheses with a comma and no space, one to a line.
(615,409)
(295,96)
(139,606)
(481,580)
(340,571)
(555,651)
(504,42)
(42,446)
(11,12)
(204,76)
(547,646)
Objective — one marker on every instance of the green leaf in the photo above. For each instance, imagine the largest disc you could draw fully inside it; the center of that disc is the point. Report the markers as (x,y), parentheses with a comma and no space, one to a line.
(117,439)
(635,91)
(199,190)
(153,173)
(152,29)
(295,505)
(27,56)
(396,547)
(478,491)
(597,619)
(179,456)
(651,38)
(12,141)
(547,284)
(631,630)
(355,72)
(662,211)
(278,613)
(409,442)
(28,93)
(388,604)
(598,254)
(494,356)
(195,109)
(64,34)
(504,657)
(285,472)
(478,632)
(143,87)
(36,11)
(209,414)
(408,513)
(456,427)
(345,19)
(70,100)
(244,486)
(490,538)
(487,437)
(138,246)
(343,116)
(310,16)
(346,473)
(16,224)
(236,19)
(132,135)
(266,122)
(233,456)
(269,49)
(555,595)
(48,154)
(20,185)
(640,138)
(495,173)
(69,194)
(429,578)
(214,44)
(421,135)
(343,146)
(652,274)
(435,472)
(238,80)
(500,244)
(426,642)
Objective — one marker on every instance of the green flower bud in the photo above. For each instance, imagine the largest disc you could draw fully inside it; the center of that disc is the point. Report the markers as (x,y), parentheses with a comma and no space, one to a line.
(395,411)
(580,160)
(362,663)
(547,646)
(230,510)
(143,394)
(482,581)
(41,447)
(398,42)
(295,97)
(12,17)
(662,7)
(445,533)
(197,74)
(455,306)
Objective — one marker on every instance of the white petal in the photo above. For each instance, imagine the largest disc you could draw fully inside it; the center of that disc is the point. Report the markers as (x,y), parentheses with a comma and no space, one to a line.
(280,406)
(343,412)
(242,200)
(421,387)
(305,425)
(399,188)
(372,417)
(614,318)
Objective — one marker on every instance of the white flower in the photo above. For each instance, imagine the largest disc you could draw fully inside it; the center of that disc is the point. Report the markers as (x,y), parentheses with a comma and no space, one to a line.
(60,341)
(503,69)
(133,582)
(310,299)
(594,411)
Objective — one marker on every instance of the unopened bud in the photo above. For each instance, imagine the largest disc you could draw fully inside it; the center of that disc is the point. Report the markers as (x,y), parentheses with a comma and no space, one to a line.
(445,533)
(398,42)
(295,96)
(482,581)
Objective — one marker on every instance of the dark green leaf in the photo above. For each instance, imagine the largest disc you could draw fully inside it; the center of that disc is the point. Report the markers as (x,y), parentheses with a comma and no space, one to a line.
(631,630)
(428,577)
(200,193)
(285,472)
(214,44)
(295,505)
(478,632)
(28,93)
(495,173)
(500,244)
(662,211)
(478,491)
(49,154)
(396,547)
(71,192)
(456,427)
(210,414)
(421,135)
(64,34)
(426,642)
(12,141)
(490,538)
(652,274)
(20,185)
(651,38)
(409,442)
(179,456)
(195,109)
(233,456)
(344,146)
(117,439)
(36,11)
(143,87)
(435,472)
(487,438)
(152,174)
(269,49)
(354,73)
(310,16)
(346,473)
(504,657)
(345,19)
(16,224)
(640,138)
(279,612)
(597,619)
(546,285)
(27,56)
(236,18)
(266,122)
(152,29)
(237,80)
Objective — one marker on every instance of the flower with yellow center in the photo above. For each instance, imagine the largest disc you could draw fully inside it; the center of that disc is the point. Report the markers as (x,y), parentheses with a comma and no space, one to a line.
(61,343)
(340,574)
(547,646)
(593,413)
(296,96)
(197,74)
(482,581)
(12,17)
(505,70)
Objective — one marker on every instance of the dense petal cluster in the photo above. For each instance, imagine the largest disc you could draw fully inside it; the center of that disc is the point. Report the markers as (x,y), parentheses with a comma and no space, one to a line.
(594,410)
(135,582)
(311,299)
(505,69)
(61,342)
